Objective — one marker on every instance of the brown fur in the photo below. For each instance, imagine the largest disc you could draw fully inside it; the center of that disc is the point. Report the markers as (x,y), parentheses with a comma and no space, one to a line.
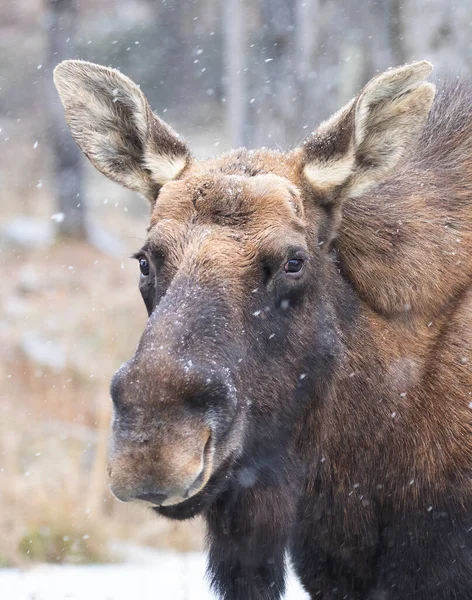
(337,406)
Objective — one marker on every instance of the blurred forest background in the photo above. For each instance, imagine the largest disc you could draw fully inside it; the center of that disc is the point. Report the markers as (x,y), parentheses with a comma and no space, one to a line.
(223,73)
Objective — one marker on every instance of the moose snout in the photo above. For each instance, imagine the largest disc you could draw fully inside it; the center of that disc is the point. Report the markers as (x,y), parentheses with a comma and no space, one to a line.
(168,417)
(161,475)
(151,493)
(164,488)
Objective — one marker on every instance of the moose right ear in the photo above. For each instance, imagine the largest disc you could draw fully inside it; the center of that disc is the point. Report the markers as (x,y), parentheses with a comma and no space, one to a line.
(113,124)
(361,145)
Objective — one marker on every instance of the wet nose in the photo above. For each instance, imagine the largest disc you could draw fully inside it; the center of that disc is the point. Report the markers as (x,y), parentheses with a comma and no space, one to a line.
(152,497)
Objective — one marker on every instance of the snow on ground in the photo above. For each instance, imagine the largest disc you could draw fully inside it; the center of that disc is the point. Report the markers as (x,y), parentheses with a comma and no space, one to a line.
(160,576)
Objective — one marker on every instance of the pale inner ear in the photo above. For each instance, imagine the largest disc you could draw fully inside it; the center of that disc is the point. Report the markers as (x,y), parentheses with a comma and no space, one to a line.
(329,153)
(164,168)
(327,175)
(361,144)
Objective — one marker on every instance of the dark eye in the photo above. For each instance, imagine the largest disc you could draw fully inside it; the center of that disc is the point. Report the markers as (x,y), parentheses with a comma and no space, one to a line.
(144,266)
(294,266)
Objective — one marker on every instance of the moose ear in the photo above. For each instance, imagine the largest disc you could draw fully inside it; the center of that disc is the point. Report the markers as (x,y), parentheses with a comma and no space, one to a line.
(113,124)
(360,145)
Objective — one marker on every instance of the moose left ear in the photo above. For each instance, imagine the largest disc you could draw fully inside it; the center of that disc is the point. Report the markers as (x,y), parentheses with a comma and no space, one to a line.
(360,145)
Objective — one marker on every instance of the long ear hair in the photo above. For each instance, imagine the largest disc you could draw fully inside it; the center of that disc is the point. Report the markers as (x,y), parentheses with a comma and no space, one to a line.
(361,145)
(113,124)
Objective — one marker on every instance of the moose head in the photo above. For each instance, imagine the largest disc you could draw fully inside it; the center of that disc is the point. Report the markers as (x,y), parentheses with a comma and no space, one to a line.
(238,277)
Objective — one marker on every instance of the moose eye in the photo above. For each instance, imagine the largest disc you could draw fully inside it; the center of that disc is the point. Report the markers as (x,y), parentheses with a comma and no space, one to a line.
(144,266)
(294,266)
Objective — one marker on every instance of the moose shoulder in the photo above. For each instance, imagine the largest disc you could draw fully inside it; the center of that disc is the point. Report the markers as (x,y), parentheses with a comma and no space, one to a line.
(304,380)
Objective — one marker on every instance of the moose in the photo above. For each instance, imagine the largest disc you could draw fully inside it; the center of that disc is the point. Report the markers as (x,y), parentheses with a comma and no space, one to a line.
(304,379)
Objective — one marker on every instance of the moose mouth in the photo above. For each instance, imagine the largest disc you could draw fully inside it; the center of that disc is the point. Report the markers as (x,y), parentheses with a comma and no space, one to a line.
(211,486)
(195,488)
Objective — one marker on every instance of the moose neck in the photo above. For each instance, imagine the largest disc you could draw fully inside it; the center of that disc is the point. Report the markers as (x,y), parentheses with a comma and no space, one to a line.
(374,393)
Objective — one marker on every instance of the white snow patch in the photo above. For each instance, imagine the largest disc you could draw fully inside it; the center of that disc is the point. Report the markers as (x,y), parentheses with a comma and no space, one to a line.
(149,576)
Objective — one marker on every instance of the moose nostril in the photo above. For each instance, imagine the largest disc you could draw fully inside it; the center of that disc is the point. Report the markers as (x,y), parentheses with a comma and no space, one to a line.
(152,498)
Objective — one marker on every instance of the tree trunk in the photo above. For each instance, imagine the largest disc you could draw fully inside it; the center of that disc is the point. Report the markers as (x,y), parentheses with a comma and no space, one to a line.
(235,77)
(276,121)
(397,32)
(306,37)
(67,159)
